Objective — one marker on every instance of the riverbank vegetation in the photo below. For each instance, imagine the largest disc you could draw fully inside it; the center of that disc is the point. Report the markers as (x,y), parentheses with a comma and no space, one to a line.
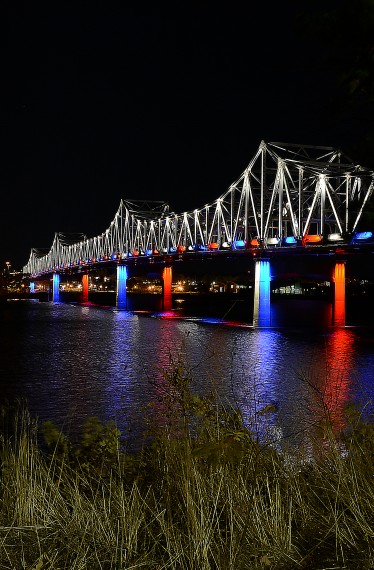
(202,493)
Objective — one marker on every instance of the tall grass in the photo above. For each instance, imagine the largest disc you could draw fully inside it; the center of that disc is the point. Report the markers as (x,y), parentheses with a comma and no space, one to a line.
(201,494)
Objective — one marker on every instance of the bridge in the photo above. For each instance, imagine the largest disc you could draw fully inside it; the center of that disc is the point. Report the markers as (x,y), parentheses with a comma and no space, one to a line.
(291,200)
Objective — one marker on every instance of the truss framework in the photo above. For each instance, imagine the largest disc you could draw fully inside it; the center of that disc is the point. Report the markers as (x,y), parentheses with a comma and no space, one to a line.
(286,190)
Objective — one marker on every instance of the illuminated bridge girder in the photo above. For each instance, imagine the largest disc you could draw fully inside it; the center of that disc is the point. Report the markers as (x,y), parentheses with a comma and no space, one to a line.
(286,190)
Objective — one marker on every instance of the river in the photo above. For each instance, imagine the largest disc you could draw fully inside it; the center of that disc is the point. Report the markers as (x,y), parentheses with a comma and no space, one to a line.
(71,361)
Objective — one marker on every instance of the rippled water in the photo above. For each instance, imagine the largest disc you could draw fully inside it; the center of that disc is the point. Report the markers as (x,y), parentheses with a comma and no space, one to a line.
(72,361)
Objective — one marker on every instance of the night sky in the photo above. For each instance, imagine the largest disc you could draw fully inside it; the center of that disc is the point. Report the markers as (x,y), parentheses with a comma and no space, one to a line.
(165,102)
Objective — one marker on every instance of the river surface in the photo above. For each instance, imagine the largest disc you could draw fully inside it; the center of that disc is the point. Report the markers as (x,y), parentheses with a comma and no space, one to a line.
(71,361)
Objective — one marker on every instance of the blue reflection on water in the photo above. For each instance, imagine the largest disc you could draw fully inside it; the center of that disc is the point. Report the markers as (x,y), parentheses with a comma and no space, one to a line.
(73,361)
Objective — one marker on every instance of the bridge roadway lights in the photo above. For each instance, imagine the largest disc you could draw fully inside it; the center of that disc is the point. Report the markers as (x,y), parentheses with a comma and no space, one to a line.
(56,288)
(338,309)
(261,308)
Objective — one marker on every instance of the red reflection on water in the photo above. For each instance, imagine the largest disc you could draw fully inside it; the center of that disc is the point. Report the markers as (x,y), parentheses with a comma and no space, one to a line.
(167,315)
(237,324)
(172,370)
(339,363)
(165,408)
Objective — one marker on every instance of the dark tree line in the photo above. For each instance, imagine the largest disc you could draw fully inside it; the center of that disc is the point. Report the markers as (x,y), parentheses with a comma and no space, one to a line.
(342,35)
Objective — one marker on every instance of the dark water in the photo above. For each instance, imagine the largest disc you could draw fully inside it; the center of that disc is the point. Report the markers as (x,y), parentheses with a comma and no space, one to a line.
(72,361)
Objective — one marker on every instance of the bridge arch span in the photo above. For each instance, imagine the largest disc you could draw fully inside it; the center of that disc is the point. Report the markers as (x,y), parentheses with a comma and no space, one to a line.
(288,195)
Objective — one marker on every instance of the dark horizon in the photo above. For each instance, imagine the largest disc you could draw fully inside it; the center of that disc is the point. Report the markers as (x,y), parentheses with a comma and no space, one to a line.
(155,104)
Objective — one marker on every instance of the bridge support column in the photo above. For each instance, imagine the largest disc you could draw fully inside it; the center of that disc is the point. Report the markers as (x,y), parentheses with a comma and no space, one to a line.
(121,296)
(32,287)
(167,303)
(338,309)
(56,288)
(261,305)
(85,288)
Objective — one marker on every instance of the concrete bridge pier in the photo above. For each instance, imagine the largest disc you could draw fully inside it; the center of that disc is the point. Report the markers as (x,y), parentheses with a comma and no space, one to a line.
(85,288)
(121,294)
(56,288)
(338,308)
(261,308)
(167,303)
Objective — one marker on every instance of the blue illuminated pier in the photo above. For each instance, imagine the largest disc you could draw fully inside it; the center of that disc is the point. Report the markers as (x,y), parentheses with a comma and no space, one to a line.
(121,297)
(261,309)
(56,288)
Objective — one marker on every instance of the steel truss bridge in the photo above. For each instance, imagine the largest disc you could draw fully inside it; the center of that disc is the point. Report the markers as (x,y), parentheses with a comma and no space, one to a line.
(288,194)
